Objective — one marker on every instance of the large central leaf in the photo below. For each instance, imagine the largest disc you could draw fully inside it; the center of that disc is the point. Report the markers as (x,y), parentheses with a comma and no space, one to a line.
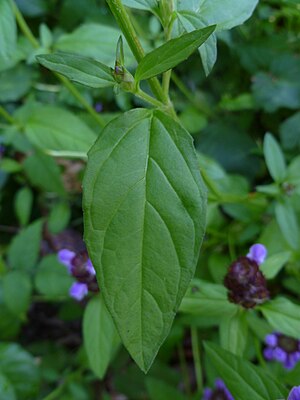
(144,208)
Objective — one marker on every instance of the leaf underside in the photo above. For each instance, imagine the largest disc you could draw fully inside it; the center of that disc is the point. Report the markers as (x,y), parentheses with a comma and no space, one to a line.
(144,213)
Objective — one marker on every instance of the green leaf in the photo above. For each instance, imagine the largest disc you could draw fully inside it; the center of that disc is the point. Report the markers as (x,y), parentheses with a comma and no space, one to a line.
(288,223)
(273,264)
(145,241)
(44,173)
(159,390)
(244,380)
(208,51)
(290,132)
(6,389)
(54,128)
(52,278)
(283,316)
(141,4)
(21,370)
(206,299)
(101,340)
(23,205)
(227,13)
(25,247)
(8,31)
(234,332)
(171,53)
(15,82)
(79,69)
(274,158)
(59,217)
(17,292)
(94,40)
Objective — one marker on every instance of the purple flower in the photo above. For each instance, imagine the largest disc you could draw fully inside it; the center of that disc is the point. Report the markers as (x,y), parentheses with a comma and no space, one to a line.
(65,257)
(257,253)
(220,392)
(98,107)
(81,268)
(294,393)
(78,290)
(283,349)
(245,283)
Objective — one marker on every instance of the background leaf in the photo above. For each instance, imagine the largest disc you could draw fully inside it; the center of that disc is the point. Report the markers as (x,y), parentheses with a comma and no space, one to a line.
(101,339)
(97,41)
(54,128)
(283,316)
(23,205)
(143,202)
(141,4)
(274,158)
(206,299)
(8,32)
(288,223)
(17,292)
(244,380)
(234,332)
(25,247)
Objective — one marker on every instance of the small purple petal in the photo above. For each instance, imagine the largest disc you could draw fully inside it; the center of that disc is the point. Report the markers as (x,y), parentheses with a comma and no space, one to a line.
(90,268)
(98,107)
(294,393)
(268,354)
(289,362)
(271,340)
(221,386)
(257,253)
(65,257)
(280,355)
(78,290)
(207,393)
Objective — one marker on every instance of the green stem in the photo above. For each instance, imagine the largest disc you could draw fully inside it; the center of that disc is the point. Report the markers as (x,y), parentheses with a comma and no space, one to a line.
(28,34)
(23,25)
(81,99)
(185,91)
(124,22)
(6,115)
(197,360)
(149,99)
(184,370)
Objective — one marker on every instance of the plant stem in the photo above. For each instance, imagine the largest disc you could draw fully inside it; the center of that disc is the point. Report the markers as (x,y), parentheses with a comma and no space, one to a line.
(149,99)
(124,22)
(73,90)
(81,99)
(197,360)
(6,115)
(184,370)
(185,91)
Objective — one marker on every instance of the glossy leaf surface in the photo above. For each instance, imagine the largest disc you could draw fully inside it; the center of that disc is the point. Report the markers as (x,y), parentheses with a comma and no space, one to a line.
(79,69)
(171,53)
(144,211)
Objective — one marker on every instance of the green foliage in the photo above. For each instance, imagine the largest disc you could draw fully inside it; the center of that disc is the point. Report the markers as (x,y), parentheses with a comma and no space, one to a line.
(79,69)
(101,339)
(74,123)
(157,283)
(244,380)
(171,53)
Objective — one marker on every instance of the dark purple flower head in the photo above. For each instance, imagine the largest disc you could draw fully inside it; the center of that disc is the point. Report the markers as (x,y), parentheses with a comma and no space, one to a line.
(246,283)
(294,393)
(80,267)
(283,349)
(220,392)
